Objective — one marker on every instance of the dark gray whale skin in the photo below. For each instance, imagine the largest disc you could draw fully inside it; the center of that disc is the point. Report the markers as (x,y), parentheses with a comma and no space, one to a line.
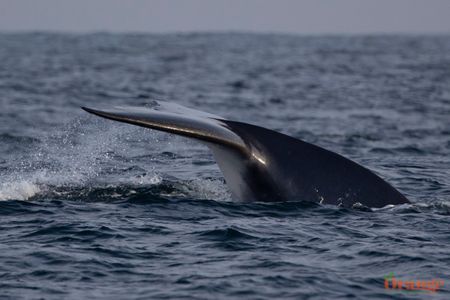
(264,165)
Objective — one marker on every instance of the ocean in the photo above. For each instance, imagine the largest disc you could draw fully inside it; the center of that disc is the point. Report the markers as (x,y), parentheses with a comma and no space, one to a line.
(95,209)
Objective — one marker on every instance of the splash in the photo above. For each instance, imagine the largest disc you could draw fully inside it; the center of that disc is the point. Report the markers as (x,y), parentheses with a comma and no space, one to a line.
(91,155)
(75,156)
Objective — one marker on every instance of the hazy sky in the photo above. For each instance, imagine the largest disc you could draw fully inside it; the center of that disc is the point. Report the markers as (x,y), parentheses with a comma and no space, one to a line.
(292,16)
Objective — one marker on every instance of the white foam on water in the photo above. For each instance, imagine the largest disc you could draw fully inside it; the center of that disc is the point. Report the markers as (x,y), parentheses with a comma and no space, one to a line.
(207,189)
(19,190)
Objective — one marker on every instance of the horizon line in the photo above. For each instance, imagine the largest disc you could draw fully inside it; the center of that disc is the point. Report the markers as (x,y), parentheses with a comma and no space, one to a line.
(222,31)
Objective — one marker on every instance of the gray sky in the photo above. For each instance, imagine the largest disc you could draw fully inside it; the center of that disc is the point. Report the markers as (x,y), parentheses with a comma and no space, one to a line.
(291,16)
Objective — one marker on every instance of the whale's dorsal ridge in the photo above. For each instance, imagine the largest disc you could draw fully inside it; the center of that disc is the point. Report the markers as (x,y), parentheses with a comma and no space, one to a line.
(264,165)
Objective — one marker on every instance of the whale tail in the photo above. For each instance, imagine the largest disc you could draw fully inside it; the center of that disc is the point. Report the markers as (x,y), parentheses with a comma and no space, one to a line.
(263,165)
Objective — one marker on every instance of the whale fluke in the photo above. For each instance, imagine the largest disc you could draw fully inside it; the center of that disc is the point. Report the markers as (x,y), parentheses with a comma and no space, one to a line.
(263,165)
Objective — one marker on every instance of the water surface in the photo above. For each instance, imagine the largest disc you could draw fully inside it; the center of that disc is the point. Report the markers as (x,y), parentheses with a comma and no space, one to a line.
(95,209)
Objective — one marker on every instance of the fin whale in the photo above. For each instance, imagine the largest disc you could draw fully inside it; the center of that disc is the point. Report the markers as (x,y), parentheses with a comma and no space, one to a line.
(264,165)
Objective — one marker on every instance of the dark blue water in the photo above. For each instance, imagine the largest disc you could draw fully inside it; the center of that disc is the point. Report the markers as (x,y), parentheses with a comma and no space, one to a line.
(95,209)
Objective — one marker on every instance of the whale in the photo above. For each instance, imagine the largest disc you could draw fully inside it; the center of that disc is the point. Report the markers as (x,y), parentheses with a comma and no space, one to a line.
(259,164)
